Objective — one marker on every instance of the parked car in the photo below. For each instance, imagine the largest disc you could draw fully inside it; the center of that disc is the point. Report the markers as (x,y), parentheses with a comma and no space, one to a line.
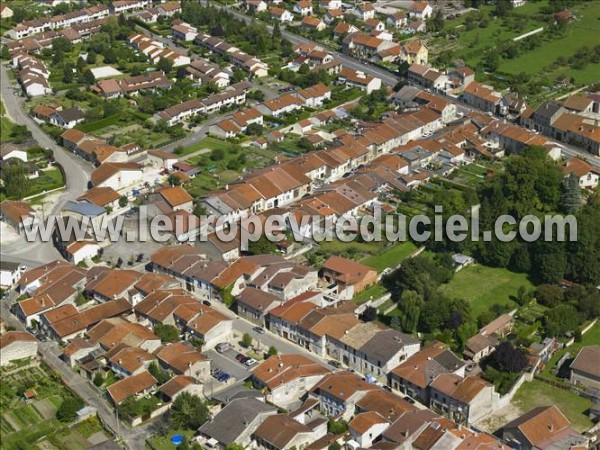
(409,399)
(206,302)
(223,377)
(250,362)
(223,347)
(242,358)
(259,330)
(334,363)
(387,388)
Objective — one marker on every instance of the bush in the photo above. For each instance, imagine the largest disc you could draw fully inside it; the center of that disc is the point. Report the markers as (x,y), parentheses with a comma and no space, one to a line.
(68,409)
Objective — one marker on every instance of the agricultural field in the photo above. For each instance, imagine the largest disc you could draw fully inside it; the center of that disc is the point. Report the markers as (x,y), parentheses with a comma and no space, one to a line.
(27,424)
(484,287)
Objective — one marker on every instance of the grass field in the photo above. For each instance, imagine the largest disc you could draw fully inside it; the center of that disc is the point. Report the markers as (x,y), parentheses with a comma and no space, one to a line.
(390,257)
(164,442)
(208,142)
(485,286)
(536,393)
(48,180)
(583,31)
(6,125)
(592,337)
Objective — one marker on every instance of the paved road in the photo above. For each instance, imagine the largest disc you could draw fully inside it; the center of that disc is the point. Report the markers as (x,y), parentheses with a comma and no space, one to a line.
(49,351)
(78,174)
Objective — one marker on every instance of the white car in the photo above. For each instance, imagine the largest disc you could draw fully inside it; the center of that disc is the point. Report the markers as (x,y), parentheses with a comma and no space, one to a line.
(251,362)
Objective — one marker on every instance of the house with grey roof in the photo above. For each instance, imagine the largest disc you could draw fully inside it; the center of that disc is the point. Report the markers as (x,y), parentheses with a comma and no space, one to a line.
(236,422)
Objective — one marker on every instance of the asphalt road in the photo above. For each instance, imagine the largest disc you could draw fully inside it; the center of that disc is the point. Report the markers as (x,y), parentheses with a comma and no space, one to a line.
(78,174)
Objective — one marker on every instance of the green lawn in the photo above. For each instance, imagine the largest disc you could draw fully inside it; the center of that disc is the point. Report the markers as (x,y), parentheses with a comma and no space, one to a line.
(390,257)
(208,142)
(372,292)
(592,337)
(583,31)
(164,442)
(536,393)
(48,180)
(485,286)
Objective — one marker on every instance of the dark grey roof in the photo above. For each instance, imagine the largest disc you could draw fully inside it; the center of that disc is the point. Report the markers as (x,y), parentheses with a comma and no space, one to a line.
(548,109)
(449,361)
(234,418)
(406,94)
(84,208)
(9,266)
(385,344)
(234,392)
(71,114)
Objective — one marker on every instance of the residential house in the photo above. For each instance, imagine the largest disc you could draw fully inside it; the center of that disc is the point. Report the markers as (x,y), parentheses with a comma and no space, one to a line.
(236,422)
(339,392)
(414,375)
(16,345)
(129,361)
(349,276)
(6,12)
(464,400)
(9,151)
(586,175)
(104,197)
(287,377)
(544,427)
(18,215)
(420,10)
(133,386)
(182,359)
(118,176)
(354,78)
(282,432)
(313,24)
(367,427)
(280,14)
(398,19)
(256,6)
(303,7)
(10,272)
(577,130)
(585,368)
(67,118)
(365,11)
(161,159)
(330,4)
(183,31)
(414,52)
(482,97)
(178,385)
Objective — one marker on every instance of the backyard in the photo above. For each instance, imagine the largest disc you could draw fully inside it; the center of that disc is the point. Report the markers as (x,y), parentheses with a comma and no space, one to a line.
(484,286)
(23,424)
(537,393)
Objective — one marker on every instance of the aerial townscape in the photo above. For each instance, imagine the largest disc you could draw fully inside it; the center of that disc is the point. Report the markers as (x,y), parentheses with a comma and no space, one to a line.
(217,117)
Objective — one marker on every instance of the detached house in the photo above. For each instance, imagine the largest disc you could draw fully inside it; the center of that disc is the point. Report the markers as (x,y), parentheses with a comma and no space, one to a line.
(118,176)
(287,377)
(303,7)
(420,10)
(587,176)
(280,14)
(313,23)
(365,11)
(349,276)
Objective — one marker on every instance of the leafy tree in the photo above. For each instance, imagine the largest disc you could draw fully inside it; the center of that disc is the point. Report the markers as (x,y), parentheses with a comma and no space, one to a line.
(262,246)
(167,333)
(161,376)
(337,426)
(334,446)
(188,412)
(19,134)
(485,317)
(246,340)
(165,65)
(67,412)
(174,180)
(68,75)
(88,77)
(561,319)
(98,380)
(395,323)
(507,358)
(15,177)
(410,304)
(91,57)
(549,295)
(369,314)
(570,199)
(272,351)
(123,201)
(234,446)
(62,44)
(218,154)
(254,129)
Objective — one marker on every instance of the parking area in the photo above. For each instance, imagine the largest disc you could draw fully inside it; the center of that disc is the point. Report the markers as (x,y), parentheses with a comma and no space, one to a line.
(227,365)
